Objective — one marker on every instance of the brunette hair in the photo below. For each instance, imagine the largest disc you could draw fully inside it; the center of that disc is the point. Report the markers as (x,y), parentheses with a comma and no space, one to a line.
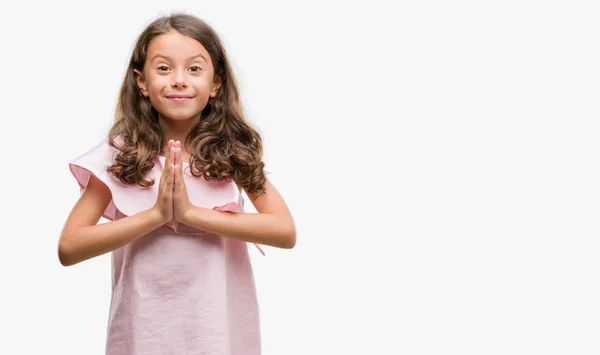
(222,144)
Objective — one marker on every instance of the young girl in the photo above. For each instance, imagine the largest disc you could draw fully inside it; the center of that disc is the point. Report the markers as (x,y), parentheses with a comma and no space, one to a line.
(169,178)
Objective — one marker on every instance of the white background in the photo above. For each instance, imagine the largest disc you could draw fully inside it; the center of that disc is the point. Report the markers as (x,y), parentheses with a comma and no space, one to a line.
(440,159)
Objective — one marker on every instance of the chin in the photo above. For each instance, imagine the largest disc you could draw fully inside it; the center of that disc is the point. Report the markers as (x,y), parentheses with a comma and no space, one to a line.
(181,116)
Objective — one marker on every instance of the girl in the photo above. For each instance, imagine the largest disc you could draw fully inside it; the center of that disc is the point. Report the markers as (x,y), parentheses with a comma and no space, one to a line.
(169,178)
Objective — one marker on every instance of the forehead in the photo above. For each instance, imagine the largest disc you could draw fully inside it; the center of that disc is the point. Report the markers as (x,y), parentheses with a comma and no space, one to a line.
(177,47)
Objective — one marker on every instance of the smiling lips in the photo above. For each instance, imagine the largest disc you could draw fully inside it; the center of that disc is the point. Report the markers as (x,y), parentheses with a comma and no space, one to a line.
(179,98)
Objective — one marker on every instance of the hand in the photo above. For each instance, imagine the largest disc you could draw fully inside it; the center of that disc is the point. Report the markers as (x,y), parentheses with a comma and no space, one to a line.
(181,201)
(164,201)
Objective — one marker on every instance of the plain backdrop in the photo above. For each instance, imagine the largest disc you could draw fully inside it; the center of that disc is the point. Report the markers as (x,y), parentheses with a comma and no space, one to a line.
(440,159)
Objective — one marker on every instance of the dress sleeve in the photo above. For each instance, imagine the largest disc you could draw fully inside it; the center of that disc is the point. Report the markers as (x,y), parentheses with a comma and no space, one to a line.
(95,162)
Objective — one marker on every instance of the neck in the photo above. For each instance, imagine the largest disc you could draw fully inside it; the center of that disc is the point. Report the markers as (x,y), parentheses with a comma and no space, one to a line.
(177,130)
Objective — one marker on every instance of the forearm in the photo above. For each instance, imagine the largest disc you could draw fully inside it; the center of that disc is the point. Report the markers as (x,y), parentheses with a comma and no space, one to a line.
(260,228)
(85,242)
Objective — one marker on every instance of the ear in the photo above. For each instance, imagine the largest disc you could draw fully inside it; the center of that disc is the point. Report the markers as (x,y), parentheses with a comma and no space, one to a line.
(141,83)
(215,87)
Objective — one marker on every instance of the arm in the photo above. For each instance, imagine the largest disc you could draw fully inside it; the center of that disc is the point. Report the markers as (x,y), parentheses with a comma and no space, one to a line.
(82,239)
(272,225)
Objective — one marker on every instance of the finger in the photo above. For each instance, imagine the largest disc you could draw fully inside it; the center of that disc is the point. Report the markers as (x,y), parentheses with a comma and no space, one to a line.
(168,152)
(176,178)
(180,178)
(175,157)
(180,162)
(165,168)
(170,181)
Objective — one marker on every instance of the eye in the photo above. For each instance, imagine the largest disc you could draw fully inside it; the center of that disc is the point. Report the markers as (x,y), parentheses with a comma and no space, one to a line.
(163,68)
(195,69)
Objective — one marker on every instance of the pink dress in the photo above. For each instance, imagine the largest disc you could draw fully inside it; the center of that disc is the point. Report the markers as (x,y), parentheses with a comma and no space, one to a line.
(177,290)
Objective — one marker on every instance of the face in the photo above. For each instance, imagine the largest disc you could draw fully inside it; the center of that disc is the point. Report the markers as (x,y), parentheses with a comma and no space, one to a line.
(178,76)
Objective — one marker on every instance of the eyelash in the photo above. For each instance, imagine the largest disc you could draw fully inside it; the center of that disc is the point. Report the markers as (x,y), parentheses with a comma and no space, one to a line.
(195,66)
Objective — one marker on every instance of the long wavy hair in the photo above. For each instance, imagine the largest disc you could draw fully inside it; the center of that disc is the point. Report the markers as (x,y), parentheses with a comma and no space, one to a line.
(222,144)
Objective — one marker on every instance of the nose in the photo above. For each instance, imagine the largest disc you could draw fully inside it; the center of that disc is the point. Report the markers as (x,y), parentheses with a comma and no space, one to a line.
(179,79)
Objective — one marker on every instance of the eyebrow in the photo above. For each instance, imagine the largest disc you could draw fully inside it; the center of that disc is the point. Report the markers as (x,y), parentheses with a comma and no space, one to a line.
(168,58)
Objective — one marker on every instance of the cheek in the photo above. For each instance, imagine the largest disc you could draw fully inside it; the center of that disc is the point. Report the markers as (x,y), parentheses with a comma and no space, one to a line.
(156,87)
(155,93)
(202,87)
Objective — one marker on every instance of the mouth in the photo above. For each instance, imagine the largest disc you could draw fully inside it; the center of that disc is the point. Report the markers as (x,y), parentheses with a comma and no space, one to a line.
(179,98)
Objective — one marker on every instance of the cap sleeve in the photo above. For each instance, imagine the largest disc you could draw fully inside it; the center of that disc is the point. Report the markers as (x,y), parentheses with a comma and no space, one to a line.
(128,200)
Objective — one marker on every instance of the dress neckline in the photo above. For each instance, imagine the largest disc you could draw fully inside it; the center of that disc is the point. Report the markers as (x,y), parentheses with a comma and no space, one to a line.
(162,160)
